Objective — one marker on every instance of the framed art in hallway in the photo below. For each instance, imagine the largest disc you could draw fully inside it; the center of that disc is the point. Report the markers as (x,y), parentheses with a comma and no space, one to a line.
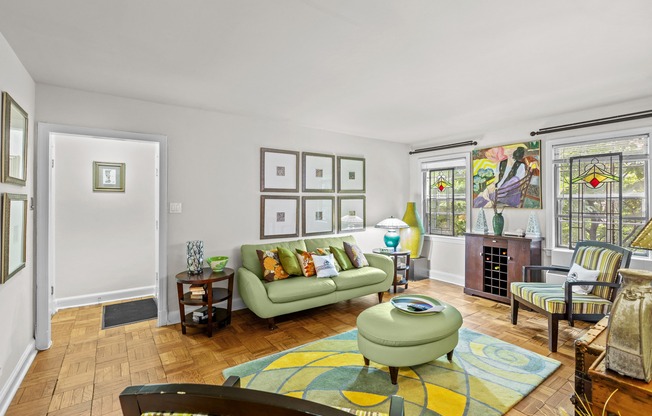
(14,234)
(279,216)
(351,174)
(279,170)
(14,141)
(108,177)
(318,215)
(318,172)
(352,213)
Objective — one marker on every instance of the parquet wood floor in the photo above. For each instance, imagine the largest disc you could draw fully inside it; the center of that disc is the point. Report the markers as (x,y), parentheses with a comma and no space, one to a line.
(86,368)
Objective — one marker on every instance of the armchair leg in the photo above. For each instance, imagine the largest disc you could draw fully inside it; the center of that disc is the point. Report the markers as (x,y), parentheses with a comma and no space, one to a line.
(553,332)
(514,311)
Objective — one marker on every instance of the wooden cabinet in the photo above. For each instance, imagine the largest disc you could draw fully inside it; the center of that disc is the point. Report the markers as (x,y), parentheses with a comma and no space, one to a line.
(494,262)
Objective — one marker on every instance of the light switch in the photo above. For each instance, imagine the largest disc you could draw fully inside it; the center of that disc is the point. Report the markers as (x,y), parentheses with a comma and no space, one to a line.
(175,207)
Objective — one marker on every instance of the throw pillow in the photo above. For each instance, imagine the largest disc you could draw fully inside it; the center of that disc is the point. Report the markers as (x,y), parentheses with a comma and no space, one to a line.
(355,255)
(307,265)
(325,252)
(325,265)
(578,272)
(341,257)
(289,262)
(272,268)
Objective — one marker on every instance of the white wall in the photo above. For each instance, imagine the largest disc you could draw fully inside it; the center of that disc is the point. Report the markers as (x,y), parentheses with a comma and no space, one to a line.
(17,294)
(213,167)
(450,248)
(104,241)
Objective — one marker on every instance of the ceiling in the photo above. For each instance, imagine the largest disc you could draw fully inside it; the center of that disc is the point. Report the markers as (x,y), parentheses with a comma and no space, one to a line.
(403,70)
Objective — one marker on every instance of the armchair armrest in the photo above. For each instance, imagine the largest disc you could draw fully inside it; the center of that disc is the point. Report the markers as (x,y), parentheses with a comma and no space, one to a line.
(568,293)
(526,269)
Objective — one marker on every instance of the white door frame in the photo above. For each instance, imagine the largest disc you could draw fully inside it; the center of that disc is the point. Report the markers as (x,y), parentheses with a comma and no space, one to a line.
(44,238)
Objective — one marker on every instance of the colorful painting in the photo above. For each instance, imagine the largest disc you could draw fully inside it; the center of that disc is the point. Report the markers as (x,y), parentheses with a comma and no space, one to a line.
(508,176)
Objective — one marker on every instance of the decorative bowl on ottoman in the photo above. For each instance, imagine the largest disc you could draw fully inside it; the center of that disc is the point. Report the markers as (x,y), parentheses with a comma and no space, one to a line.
(217,263)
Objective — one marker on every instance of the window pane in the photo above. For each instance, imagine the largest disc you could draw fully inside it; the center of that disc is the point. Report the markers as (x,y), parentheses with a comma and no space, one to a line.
(446,204)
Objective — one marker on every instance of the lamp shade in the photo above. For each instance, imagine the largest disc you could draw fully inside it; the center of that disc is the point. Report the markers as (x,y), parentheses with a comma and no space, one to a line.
(392,223)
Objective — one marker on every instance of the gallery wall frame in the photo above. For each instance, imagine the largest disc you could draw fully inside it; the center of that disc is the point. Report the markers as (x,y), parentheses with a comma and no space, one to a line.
(352,215)
(317,215)
(108,177)
(351,174)
(318,172)
(279,216)
(14,235)
(279,170)
(15,124)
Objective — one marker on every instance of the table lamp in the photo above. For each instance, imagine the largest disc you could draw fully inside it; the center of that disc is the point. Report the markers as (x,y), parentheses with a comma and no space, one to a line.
(392,225)
(630,331)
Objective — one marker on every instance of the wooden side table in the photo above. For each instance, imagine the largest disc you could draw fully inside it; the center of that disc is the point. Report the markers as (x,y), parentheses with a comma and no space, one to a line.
(401,270)
(213,296)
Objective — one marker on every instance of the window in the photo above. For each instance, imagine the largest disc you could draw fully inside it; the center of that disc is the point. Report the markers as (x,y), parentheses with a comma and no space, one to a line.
(604,197)
(445,197)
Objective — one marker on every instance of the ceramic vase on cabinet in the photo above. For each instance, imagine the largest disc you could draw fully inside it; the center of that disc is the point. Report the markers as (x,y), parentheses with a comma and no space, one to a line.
(195,256)
(498,223)
(629,342)
(412,238)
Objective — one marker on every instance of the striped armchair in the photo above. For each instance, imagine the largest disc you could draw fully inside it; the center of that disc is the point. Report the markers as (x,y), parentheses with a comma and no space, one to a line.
(557,302)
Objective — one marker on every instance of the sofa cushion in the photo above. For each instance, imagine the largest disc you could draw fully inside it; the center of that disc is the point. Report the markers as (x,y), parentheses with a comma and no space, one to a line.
(306,263)
(353,278)
(250,258)
(289,262)
(325,265)
(297,288)
(356,255)
(326,252)
(272,267)
(341,257)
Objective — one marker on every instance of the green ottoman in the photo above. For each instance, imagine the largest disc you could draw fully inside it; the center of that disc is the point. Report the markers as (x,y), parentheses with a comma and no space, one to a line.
(398,339)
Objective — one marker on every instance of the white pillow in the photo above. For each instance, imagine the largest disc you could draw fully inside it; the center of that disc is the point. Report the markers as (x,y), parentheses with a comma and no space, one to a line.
(324,265)
(578,272)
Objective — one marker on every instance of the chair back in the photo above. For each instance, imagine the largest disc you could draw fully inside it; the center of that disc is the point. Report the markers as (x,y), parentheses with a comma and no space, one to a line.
(604,257)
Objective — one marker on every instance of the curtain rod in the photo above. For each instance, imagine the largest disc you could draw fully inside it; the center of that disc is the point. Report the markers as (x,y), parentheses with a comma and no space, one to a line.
(595,122)
(444,146)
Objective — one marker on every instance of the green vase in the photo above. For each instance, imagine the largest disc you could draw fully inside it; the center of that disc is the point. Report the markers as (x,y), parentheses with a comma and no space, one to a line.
(412,238)
(499,223)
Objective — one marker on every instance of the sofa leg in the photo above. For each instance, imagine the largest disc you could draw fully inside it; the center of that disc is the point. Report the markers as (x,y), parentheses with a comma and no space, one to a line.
(380,297)
(271,324)
(393,374)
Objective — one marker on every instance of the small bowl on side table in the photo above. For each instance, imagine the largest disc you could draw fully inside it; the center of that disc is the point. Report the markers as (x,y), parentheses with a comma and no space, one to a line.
(217,263)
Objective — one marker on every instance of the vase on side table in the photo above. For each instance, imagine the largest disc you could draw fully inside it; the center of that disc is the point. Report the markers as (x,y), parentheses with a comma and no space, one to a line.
(195,256)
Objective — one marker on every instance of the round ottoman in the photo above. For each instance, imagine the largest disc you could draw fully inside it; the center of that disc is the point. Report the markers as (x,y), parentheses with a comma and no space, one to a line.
(396,339)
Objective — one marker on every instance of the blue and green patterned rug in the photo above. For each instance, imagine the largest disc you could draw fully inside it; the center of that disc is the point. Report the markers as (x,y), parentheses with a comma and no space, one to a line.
(487,376)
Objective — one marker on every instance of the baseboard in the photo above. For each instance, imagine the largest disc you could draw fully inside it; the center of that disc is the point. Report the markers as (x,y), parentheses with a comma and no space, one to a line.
(10,388)
(173,316)
(446,277)
(95,298)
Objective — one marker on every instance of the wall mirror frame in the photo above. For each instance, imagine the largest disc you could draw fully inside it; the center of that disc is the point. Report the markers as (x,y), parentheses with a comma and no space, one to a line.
(14,141)
(14,234)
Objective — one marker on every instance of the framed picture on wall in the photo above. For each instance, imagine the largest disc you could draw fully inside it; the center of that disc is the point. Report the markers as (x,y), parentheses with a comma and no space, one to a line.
(279,216)
(108,177)
(318,215)
(351,213)
(350,174)
(279,170)
(14,141)
(318,172)
(14,234)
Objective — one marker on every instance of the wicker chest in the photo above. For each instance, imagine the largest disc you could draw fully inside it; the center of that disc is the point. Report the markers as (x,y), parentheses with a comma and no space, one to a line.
(587,350)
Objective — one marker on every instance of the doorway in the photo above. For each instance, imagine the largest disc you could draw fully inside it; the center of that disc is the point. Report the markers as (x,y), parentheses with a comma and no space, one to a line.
(78,224)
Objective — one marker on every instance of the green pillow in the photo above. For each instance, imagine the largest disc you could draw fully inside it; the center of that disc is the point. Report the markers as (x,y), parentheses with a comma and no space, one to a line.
(341,257)
(289,262)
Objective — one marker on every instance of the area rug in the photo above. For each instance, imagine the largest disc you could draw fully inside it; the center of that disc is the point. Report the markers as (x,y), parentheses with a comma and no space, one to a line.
(487,377)
(128,312)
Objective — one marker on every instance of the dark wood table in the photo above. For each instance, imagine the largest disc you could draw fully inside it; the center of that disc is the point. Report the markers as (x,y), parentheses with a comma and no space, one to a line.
(401,271)
(213,296)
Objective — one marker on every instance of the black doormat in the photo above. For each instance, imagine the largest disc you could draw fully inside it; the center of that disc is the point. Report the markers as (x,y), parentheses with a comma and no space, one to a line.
(128,312)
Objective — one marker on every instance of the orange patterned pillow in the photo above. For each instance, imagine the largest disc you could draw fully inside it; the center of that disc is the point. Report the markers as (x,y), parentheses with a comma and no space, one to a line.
(307,265)
(272,268)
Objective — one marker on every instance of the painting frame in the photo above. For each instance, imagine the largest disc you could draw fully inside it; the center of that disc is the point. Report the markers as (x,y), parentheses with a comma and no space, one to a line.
(14,235)
(351,175)
(507,176)
(314,222)
(352,205)
(270,218)
(109,177)
(317,172)
(14,146)
(279,170)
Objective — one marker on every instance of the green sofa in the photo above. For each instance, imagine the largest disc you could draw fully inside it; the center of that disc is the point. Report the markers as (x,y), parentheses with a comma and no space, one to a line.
(271,299)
